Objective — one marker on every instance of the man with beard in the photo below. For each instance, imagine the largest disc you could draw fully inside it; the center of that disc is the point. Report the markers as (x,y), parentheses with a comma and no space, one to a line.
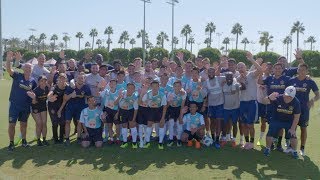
(93,80)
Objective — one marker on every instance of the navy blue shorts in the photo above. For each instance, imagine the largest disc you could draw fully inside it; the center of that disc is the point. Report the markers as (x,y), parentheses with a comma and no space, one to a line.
(262,110)
(95,135)
(18,114)
(110,118)
(155,114)
(143,115)
(216,112)
(248,111)
(125,115)
(173,113)
(73,112)
(275,127)
(232,114)
(196,135)
(304,117)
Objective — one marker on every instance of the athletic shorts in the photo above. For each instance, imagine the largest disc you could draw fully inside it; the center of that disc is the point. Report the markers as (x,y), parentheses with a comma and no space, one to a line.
(18,114)
(143,114)
(249,111)
(304,117)
(262,110)
(95,135)
(216,112)
(125,115)
(155,114)
(173,113)
(110,118)
(38,109)
(193,136)
(232,114)
(276,126)
(73,112)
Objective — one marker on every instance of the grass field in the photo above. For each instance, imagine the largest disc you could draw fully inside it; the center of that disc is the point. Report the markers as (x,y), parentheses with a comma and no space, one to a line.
(58,162)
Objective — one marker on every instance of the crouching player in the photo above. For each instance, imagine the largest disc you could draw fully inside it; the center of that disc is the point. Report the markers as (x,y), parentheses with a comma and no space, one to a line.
(91,121)
(195,127)
(286,113)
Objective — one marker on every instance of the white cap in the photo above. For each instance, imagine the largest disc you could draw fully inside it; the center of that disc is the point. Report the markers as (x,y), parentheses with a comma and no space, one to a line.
(290,91)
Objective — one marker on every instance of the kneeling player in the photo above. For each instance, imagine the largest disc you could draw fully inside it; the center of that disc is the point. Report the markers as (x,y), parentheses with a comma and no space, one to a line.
(91,121)
(194,126)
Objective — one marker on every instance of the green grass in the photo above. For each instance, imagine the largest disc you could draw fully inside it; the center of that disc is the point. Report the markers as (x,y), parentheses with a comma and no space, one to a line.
(58,162)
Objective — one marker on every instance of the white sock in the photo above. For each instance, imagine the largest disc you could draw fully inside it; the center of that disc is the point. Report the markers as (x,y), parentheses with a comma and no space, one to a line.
(141,127)
(161,134)
(124,134)
(134,134)
(148,134)
(242,138)
(179,130)
(261,135)
(228,136)
(171,128)
(156,127)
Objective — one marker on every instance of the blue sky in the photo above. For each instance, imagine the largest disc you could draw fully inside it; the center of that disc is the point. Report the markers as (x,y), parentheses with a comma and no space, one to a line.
(58,16)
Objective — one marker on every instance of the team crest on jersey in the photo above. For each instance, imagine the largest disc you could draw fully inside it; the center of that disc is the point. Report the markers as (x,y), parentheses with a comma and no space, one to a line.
(290,108)
(304,85)
(282,82)
(82,93)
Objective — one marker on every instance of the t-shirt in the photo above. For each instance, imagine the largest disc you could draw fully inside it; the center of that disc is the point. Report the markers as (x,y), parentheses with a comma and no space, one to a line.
(303,88)
(59,93)
(155,101)
(56,75)
(231,95)
(276,84)
(81,94)
(41,97)
(92,81)
(250,93)
(195,91)
(122,86)
(19,88)
(193,121)
(129,102)
(213,90)
(166,89)
(91,118)
(108,98)
(175,100)
(283,112)
(290,71)
(174,79)
(38,71)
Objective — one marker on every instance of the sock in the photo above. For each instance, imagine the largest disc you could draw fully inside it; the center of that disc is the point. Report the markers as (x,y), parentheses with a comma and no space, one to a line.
(227,136)
(124,132)
(44,138)
(213,136)
(148,134)
(302,147)
(140,131)
(217,139)
(134,134)
(171,128)
(241,138)
(247,138)
(288,142)
(156,127)
(251,140)
(279,141)
(261,135)
(20,136)
(161,135)
(179,131)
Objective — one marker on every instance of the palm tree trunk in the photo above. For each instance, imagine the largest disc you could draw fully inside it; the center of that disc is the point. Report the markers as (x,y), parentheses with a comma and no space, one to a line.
(162,42)
(237,41)
(92,42)
(185,47)
(79,44)
(191,48)
(297,39)
(245,46)
(226,48)
(124,44)
(311,46)
(266,48)
(108,43)
(54,45)
(287,50)
(210,39)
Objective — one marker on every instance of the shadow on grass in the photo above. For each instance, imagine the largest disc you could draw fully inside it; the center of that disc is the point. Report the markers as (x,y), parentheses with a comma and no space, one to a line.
(130,161)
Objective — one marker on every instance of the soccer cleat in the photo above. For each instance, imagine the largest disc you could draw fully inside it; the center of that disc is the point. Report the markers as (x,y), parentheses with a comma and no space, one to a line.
(67,142)
(179,144)
(288,150)
(134,145)
(105,140)
(147,145)
(141,144)
(279,148)
(39,143)
(160,146)
(266,152)
(223,143)
(233,144)
(249,146)
(241,144)
(110,142)
(45,143)
(198,145)
(217,145)
(170,143)
(190,143)
(124,145)
(295,155)
(11,147)
(25,144)
(302,152)
(118,142)
(258,143)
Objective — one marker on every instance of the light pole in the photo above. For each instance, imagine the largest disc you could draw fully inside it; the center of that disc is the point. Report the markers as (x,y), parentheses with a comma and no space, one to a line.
(1,53)
(172,3)
(144,31)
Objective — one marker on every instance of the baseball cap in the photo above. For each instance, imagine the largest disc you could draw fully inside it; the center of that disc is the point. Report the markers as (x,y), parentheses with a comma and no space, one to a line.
(290,91)
(42,77)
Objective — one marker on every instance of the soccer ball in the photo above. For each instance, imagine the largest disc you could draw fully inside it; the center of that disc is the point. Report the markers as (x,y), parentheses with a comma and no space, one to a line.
(207,141)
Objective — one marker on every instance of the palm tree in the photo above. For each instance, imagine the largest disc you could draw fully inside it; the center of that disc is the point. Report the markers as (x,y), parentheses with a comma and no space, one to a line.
(287,40)
(311,40)
(226,41)
(5,42)
(297,28)
(52,46)
(124,37)
(237,30)
(149,45)
(32,38)
(207,42)
(79,35)
(87,44)
(13,42)
(132,42)
(42,38)
(66,38)
(162,36)
(99,42)
(61,45)
(108,31)
(245,41)
(191,41)
(140,34)
(210,28)
(53,38)
(175,41)
(93,33)
(186,30)
(265,39)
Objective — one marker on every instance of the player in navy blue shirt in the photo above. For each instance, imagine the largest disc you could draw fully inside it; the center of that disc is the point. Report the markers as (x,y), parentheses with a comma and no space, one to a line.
(285,115)
(20,102)
(75,101)
(304,85)
(290,71)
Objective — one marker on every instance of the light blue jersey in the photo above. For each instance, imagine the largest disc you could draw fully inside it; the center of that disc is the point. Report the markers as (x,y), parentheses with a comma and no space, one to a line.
(155,101)
(193,121)
(122,86)
(194,92)
(175,100)
(129,102)
(91,118)
(166,90)
(108,99)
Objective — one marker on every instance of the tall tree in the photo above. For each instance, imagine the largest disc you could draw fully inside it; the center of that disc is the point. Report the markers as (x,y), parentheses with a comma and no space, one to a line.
(210,28)
(226,41)
(87,44)
(99,43)
(140,34)
(42,38)
(265,39)
(61,45)
(5,42)
(132,42)
(311,40)
(297,28)
(162,36)
(186,30)
(32,38)
(245,41)
(207,42)
(149,45)
(124,37)
(79,35)
(53,38)
(237,30)
(108,31)
(287,40)
(93,33)
(175,41)
(66,38)
(191,41)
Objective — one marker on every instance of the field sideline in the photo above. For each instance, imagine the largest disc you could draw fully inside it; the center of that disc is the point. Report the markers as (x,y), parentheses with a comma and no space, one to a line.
(58,162)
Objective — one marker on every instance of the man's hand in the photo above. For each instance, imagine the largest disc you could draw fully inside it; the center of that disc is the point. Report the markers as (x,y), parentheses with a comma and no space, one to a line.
(292,132)
(18,56)
(52,98)
(310,103)
(180,56)
(10,56)
(249,56)
(59,113)
(31,94)
(273,96)
(73,94)
(298,54)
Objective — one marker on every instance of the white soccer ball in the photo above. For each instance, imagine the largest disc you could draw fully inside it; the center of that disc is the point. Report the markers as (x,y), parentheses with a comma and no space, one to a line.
(208,141)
